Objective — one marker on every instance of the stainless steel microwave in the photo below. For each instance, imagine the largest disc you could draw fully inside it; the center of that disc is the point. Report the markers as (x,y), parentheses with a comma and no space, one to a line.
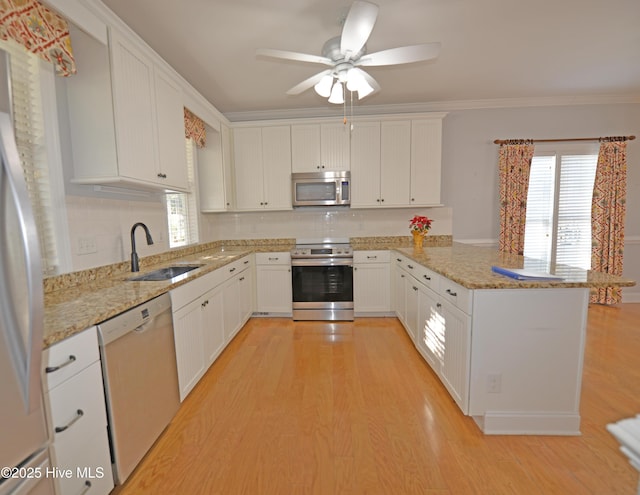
(321,188)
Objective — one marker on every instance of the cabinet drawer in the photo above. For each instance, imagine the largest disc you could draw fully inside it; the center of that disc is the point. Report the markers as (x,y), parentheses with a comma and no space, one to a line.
(67,358)
(377,256)
(280,258)
(456,294)
(427,277)
(183,295)
(78,410)
(237,266)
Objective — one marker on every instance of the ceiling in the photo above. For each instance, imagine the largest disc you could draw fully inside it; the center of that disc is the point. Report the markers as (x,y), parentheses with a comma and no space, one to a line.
(491,49)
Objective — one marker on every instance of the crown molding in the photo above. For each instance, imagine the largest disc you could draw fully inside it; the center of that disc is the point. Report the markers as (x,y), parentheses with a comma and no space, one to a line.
(438,106)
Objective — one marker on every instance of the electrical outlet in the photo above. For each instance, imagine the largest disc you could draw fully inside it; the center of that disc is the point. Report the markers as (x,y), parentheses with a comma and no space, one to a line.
(87,245)
(494,383)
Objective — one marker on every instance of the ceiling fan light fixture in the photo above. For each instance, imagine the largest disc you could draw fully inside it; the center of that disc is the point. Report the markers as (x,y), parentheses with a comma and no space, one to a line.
(364,90)
(337,95)
(323,87)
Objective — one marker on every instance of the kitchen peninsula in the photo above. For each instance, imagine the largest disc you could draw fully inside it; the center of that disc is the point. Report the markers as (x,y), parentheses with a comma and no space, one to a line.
(510,352)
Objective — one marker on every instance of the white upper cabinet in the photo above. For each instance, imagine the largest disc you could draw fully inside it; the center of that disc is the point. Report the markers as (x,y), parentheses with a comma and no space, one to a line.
(396,162)
(320,147)
(149,119)
(426,157)
(214,171)
(262,165)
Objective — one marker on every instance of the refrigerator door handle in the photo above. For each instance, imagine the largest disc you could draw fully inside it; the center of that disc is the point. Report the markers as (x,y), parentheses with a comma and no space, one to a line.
(26,353)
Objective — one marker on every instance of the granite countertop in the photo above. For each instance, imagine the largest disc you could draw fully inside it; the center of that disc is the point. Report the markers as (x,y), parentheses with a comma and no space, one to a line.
(79,300)
(76,301)
(470,266)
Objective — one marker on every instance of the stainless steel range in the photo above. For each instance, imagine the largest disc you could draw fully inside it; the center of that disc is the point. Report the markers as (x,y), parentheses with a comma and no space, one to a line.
(322,280)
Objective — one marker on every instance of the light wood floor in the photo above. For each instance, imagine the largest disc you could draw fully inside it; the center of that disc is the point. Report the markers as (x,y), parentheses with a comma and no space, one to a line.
(350,408)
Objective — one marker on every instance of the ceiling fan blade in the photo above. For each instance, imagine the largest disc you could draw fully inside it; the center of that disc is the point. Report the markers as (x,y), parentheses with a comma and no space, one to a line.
(357,27)
(298,57)
(401,55)
(371,81)
(308,83)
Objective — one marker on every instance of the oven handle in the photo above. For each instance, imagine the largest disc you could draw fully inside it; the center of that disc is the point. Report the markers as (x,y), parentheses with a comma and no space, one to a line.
(321,262)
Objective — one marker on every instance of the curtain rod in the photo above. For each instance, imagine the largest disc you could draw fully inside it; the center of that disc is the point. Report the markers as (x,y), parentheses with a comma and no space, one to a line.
(615,138)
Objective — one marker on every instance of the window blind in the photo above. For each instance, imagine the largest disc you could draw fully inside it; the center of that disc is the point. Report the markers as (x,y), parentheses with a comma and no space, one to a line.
(558,222)
(577,175)
(28,123)
(182,209)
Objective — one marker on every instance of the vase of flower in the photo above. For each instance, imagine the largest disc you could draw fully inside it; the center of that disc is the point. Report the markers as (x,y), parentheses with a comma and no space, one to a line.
(419,226)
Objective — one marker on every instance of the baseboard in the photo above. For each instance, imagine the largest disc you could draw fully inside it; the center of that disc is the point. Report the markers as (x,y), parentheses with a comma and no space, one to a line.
(494,423)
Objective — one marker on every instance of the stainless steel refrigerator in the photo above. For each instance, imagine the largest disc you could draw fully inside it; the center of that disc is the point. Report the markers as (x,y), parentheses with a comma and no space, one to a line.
(24,439)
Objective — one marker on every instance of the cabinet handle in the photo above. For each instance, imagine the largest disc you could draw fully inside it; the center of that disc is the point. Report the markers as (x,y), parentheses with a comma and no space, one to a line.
(246,262)
(382,200)
(378,200)
(241,279)
(410,266)
(79,414)
(205,303)
(51,369)
(162,176)
(232,270)
(372,257)
(448,291)
(87,487)
(415,288)
(428,278)
(274,259)
(438,305)
(401,276)
(398,260)
(413,199)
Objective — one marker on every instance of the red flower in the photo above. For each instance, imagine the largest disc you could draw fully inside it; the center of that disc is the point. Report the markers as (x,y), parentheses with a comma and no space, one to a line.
(420,224)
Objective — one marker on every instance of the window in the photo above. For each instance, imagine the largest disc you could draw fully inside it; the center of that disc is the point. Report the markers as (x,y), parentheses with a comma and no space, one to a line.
(558,223)
(32,90)
(182,209)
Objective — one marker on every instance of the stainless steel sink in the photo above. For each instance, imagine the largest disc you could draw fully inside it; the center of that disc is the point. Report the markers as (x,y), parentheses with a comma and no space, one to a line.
(164,273)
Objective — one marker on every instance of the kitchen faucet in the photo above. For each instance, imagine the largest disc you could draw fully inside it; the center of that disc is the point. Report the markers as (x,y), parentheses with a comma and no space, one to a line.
(135,266)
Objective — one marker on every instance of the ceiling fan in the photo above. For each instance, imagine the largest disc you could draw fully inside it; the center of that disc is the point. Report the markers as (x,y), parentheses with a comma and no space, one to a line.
(345,55)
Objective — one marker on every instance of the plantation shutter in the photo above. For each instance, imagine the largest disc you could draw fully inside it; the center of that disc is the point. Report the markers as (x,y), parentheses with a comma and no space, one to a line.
(28,123)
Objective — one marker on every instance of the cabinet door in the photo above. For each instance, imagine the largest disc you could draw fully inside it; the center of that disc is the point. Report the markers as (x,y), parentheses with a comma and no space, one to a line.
(365,165)
(334,146)
(212,181)
(426,145)
(430,330)
(400,294)
(371,284)
(305,148)
(411,288)
(273,289)
(456,355)
(187,329)
(134,110)
(245,289)
(170,124)
(395,163)
(247,146)
(231,300)
(276,162)
(212,323)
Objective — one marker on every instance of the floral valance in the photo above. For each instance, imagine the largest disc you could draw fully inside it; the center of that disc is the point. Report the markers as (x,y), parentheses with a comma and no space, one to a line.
(194,128)
(40,31)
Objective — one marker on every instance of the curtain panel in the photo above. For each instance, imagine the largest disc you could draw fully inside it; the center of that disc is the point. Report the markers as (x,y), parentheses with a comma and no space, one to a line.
(514,165)
(194,128)
(607,217)
(40,31)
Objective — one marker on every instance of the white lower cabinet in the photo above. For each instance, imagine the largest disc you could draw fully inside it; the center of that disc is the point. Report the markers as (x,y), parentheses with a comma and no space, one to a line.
(74,398)
(207,313)
(371,283)
(273,284)
(439,328)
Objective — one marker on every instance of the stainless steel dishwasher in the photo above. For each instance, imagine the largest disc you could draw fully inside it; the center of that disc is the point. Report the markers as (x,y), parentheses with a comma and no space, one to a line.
(141,380)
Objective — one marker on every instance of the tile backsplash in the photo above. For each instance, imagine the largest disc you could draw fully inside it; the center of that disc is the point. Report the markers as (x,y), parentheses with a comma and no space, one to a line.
(99,228)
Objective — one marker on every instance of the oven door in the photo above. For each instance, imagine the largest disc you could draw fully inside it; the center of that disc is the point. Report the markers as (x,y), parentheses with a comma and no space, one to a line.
(322,289)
